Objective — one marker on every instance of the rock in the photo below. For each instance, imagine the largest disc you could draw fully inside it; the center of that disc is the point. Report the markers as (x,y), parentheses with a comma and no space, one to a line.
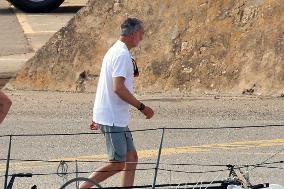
(249,91)
(117,6)
(189,45)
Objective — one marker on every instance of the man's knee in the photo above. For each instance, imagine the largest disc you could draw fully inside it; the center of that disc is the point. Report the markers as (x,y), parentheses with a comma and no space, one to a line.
(116,166)
(132,157)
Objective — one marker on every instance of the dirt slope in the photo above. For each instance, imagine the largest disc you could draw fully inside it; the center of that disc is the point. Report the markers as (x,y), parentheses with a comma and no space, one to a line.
(190,46)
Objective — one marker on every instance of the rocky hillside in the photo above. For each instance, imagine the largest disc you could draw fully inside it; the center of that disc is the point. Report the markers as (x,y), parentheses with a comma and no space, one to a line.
(190,46)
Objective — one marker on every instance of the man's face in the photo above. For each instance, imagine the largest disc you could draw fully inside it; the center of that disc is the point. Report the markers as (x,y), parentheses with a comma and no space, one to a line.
(137,37)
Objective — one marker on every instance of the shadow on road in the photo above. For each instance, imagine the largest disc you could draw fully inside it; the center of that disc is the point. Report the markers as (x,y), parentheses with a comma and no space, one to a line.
(5,11)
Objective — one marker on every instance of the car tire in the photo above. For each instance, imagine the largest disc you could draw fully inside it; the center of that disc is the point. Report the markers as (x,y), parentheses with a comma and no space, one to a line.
(36,6)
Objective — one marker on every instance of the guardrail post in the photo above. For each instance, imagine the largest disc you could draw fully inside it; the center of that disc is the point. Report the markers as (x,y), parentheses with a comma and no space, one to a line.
(158,160)
(77,175)
(8,162)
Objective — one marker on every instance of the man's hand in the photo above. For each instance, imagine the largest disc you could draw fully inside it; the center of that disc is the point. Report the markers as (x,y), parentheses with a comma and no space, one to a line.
(94,126)
(5,104)
(148,112)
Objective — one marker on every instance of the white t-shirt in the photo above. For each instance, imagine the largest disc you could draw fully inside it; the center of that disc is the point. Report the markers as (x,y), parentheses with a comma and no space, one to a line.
(109,108)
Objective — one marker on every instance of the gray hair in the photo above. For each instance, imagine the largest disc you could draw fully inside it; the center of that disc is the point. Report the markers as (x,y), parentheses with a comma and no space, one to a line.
(130,25)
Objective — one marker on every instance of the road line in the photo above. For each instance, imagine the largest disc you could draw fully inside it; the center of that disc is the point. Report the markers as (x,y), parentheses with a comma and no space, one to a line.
(23,20)
(42,32)
(208,148)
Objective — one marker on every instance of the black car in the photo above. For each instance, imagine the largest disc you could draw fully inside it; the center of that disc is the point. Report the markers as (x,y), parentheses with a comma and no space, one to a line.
(36,5)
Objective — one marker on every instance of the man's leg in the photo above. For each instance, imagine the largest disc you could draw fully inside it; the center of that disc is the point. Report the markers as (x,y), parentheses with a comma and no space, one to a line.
(129,170)
(103,173)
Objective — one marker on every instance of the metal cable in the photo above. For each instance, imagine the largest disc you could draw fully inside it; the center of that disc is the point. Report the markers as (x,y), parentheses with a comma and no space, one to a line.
(267,159)
(62,171)
(142,130)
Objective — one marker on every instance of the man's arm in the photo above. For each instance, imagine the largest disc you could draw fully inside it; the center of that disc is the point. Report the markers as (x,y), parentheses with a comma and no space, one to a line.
(5,104)
(120,89)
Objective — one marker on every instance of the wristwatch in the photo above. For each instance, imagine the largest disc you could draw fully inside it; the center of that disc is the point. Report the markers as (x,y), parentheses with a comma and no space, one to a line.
(141,107)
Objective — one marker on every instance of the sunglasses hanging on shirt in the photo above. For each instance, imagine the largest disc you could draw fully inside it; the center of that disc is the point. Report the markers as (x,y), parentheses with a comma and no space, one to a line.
(135,68)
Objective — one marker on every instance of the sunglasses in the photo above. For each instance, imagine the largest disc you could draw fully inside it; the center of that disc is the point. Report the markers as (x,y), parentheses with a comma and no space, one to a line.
(136,71)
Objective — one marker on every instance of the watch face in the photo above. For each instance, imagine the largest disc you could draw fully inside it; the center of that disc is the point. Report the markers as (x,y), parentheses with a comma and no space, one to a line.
(142,107)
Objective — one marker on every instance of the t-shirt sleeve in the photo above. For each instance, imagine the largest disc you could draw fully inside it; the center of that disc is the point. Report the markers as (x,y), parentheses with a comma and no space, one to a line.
(121,66)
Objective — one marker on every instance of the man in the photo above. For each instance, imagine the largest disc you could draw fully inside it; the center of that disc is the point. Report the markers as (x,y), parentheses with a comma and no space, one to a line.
(5,104)
(111,108)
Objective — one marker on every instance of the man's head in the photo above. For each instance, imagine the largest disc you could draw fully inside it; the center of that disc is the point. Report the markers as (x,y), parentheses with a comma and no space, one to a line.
(132,31)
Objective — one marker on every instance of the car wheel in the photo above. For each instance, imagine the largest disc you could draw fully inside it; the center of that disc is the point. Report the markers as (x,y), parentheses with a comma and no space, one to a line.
(36,5)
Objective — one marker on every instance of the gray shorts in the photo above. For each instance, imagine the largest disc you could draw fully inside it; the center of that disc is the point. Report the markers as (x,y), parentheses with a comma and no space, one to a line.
(118,143)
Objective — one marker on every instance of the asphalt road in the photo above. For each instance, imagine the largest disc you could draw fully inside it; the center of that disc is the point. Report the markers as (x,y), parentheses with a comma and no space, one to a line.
(22,34)
(204,150)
